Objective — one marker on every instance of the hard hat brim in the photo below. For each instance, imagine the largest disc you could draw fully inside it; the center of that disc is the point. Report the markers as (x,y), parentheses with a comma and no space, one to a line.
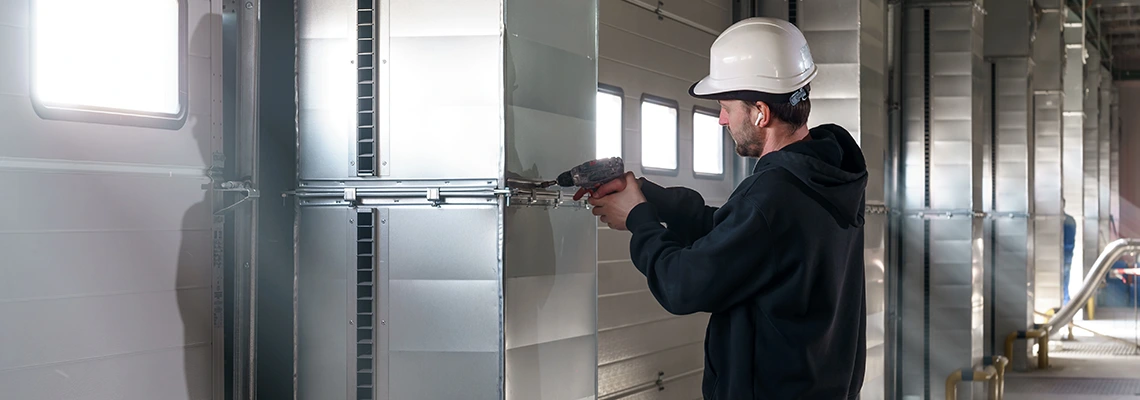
(749,95)
(710,89)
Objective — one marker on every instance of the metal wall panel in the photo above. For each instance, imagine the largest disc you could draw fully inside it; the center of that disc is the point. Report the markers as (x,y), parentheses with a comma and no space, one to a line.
(419,48)
(1104,154)
(323,279)
(944,83)
(1049,293)
(1090,223)
(1114,159)
(550,255)
(131,297)
(1008,242)
(1049,102)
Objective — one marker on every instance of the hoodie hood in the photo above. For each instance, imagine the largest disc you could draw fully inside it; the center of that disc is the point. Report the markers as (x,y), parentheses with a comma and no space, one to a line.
(831,166)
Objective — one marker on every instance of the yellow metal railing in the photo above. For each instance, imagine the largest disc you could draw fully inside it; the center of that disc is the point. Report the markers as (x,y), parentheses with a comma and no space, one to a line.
(1042,337)
(993,374)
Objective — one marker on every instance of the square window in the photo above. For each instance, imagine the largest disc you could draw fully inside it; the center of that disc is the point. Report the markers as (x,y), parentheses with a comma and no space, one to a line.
(658,135)
(110,61)
(609,129)
(708,143)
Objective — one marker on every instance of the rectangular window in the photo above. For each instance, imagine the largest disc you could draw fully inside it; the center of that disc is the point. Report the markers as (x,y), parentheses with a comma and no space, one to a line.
(609,129)
(658,134)
(110,61)
(708,143)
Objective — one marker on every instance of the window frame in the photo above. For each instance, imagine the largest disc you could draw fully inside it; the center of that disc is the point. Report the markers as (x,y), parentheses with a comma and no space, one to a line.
(113,116)
(616,91)
(723,154)
(661,101)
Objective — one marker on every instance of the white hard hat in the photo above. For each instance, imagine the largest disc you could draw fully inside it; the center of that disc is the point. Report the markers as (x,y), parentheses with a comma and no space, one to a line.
(764,55)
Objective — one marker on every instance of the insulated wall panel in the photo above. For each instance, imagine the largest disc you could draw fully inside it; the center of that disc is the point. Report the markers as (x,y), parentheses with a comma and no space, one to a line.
(107,234)
(1104,154)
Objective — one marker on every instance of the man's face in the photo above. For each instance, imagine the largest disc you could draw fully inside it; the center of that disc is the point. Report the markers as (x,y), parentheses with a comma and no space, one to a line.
(740,119)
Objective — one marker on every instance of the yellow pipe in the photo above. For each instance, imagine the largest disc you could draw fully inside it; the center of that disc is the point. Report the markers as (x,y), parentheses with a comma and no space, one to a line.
(1000,363)
(952,385)
(989,374)
(1042,337)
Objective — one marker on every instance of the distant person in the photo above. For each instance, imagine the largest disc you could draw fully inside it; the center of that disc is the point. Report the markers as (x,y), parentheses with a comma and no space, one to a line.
(1070,238)
(780,265)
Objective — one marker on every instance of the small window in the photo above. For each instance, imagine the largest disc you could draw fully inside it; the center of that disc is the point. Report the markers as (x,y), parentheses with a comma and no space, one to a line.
(110,61)
(708,143)
(609,123)
(658,134)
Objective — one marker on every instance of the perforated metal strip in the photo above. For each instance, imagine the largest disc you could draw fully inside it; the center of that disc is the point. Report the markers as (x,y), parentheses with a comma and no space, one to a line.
(365,304)
(366,88)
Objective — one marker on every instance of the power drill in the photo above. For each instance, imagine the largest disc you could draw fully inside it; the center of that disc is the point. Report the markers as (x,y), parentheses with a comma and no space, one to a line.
(590,175)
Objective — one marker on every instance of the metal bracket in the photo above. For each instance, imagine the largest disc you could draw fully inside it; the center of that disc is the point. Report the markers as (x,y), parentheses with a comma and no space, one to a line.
(350,195)
(434,197)
(660,16)
(236,186)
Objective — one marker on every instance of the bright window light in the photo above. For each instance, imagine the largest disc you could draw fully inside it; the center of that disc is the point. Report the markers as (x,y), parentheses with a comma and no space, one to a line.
(608,125)
(658,136)
(110,55)
(708,144)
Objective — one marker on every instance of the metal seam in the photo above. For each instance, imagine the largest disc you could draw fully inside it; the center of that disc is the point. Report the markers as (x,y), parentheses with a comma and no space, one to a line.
(926,202)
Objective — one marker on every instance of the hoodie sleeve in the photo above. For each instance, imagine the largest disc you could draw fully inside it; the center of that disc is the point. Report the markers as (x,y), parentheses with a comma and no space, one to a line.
(682,209)
(717,271)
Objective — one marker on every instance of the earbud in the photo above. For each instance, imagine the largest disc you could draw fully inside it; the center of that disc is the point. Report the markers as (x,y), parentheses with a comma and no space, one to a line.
(759,116)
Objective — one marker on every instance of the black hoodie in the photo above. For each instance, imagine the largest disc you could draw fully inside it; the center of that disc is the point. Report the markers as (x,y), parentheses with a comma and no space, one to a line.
(780,267)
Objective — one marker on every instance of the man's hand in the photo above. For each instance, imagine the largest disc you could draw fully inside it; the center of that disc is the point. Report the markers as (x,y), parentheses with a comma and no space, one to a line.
(614,200)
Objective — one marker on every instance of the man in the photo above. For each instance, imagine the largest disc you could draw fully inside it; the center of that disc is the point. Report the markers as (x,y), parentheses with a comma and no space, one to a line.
(780,265)
(1069,230)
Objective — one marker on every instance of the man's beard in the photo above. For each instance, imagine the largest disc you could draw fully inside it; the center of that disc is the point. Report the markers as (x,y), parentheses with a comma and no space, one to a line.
(749,145)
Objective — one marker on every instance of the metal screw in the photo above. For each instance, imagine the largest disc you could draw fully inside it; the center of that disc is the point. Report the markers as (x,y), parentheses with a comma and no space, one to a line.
(249,5)
(352,163)
(384,163)
(246,265)
(352,322)
(382,322)
(350,220)
(383,221)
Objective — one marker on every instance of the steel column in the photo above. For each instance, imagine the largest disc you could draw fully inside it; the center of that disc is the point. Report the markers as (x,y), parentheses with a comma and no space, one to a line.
(1049,283)
(1049,55)
(1114,159)
(1104,177)
(945,82)
(1008,244)
(1090,241)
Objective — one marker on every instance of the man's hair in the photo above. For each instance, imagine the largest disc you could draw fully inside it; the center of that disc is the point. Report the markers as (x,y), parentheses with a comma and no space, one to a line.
(796,115)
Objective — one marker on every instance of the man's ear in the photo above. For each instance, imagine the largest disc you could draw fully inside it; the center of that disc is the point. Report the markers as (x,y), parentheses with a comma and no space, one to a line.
(763,114)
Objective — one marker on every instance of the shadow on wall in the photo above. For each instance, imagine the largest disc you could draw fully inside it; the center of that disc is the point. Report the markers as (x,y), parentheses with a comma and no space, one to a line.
(193,288)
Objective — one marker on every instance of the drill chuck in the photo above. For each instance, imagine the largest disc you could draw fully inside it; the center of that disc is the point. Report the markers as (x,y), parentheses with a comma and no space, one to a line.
(593,173)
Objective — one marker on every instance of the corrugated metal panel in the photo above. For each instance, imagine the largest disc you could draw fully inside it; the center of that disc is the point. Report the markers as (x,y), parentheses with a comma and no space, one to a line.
(130,300)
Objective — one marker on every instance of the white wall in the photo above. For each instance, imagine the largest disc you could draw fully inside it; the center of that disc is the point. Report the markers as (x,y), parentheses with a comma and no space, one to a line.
(105,232)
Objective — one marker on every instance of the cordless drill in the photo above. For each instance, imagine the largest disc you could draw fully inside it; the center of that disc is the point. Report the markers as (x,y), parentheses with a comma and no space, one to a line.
(591,174)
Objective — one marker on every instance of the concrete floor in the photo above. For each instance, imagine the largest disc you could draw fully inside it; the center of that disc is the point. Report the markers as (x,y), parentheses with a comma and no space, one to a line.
(1087,367)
